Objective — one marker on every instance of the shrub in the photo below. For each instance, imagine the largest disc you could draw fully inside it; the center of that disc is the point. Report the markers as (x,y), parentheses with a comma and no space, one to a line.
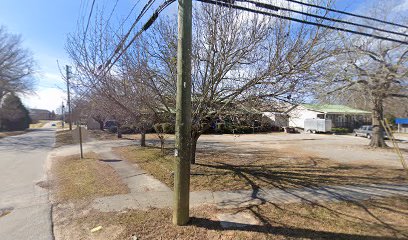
(340,130)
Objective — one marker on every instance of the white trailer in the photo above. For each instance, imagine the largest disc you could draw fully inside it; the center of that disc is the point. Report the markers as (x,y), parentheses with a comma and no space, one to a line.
(318,125)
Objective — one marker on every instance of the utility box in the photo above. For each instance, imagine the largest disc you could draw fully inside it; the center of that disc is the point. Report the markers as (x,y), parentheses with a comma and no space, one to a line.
(318,125)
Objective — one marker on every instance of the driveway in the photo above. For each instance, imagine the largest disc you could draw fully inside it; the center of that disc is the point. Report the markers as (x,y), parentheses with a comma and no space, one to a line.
(344,149)
(22,166)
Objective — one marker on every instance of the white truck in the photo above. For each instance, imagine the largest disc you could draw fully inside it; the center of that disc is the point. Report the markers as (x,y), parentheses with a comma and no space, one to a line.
(318,125)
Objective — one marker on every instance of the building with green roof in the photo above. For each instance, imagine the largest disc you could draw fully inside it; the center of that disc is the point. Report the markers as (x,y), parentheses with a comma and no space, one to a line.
(341,116)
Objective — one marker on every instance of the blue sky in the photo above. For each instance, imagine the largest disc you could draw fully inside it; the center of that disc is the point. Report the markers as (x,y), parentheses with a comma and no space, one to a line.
(44,25)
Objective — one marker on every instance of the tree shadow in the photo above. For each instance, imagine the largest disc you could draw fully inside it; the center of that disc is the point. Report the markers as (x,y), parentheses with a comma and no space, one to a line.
(317,178)
(290,232)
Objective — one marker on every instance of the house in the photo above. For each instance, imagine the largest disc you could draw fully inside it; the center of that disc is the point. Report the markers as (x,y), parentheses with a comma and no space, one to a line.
(39,114)
(402,125)
(341,116)
(278,119)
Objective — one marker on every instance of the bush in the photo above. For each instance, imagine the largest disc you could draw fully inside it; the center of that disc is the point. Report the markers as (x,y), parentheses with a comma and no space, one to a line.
(340,130)
(14,116)
(163,128)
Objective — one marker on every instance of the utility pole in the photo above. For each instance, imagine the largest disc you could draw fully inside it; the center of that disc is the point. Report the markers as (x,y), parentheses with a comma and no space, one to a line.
(183,115)
(62,114)
(67,69)
(80,138)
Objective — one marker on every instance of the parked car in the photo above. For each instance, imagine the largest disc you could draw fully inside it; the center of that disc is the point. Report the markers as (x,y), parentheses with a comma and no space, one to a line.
(365,131)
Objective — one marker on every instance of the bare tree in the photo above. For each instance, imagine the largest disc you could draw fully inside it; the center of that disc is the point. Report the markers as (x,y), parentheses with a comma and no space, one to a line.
(370,73)
(16,65)
(238,58)
(115,92)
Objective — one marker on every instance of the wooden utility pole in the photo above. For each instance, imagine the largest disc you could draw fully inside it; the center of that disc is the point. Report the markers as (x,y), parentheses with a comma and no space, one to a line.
(62,114)
(183,115)
(67,69)
(80,138)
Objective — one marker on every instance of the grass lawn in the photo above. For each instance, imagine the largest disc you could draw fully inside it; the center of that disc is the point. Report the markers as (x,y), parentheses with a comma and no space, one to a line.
(63,137)
(374,219)
(83,179)
(40,124)
(12,133)
(221,170)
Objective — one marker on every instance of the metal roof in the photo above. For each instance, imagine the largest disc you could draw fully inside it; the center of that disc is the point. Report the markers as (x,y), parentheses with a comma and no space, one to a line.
(401,120)
(329,108)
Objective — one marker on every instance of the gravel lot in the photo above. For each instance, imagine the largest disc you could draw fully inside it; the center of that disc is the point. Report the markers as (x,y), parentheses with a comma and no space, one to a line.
(345,149)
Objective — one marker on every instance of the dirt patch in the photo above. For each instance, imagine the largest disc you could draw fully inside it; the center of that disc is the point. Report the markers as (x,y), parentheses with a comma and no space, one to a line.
(246,168)
(374,219)
(102,135)
(84,179)
(63,137)
(5,211)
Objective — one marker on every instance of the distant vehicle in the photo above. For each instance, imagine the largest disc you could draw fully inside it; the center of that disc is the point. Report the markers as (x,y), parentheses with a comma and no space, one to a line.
(318,125)
(365,131)
(109,124)
(53,125)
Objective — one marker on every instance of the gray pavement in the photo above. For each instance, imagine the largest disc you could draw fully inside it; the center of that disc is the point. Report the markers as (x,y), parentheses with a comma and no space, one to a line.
(147,192)
(23,161)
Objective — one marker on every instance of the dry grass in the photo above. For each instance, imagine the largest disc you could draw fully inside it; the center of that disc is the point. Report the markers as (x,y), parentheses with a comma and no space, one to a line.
(220,170)
(102,135)
(40,124)
(373,219)
(84,179)
(9,134)
(63,137)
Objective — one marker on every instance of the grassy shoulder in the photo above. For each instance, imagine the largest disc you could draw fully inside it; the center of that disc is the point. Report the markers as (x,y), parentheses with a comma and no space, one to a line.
(222,170)
(12,133)
(84,179)
(39,124)
(63,137)
(373,219)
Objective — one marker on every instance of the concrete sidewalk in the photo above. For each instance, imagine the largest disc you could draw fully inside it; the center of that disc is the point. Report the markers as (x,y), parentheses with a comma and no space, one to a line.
(147,192)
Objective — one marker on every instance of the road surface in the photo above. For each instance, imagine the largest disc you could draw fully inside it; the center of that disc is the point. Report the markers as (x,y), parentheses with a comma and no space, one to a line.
(22,166)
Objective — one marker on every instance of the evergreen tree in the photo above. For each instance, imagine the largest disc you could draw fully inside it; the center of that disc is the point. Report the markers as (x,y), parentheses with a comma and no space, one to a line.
(14,116)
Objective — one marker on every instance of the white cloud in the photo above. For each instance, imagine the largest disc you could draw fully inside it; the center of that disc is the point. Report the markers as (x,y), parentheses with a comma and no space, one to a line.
(45,98)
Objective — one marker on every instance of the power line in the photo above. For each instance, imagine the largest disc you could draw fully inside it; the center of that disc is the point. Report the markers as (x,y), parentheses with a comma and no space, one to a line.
(89,19)
(123,40)
(228,4)
(113,10)
(276,8)
(109,64)
(347,13)
(141,14)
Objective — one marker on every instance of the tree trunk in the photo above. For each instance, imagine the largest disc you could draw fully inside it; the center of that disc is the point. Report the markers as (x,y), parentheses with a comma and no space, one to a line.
(119,132)
(162,144)
(194,139)
(100,125)
(377,138)
(143,139)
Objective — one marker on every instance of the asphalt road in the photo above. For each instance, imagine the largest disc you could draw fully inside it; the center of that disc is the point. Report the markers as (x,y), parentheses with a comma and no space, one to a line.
(22,165)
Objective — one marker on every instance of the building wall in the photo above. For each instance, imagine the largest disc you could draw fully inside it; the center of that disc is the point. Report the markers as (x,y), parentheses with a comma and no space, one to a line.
(298,115)
(277,119)
(350,121)
(91,124)
(36,115)
(403,128)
